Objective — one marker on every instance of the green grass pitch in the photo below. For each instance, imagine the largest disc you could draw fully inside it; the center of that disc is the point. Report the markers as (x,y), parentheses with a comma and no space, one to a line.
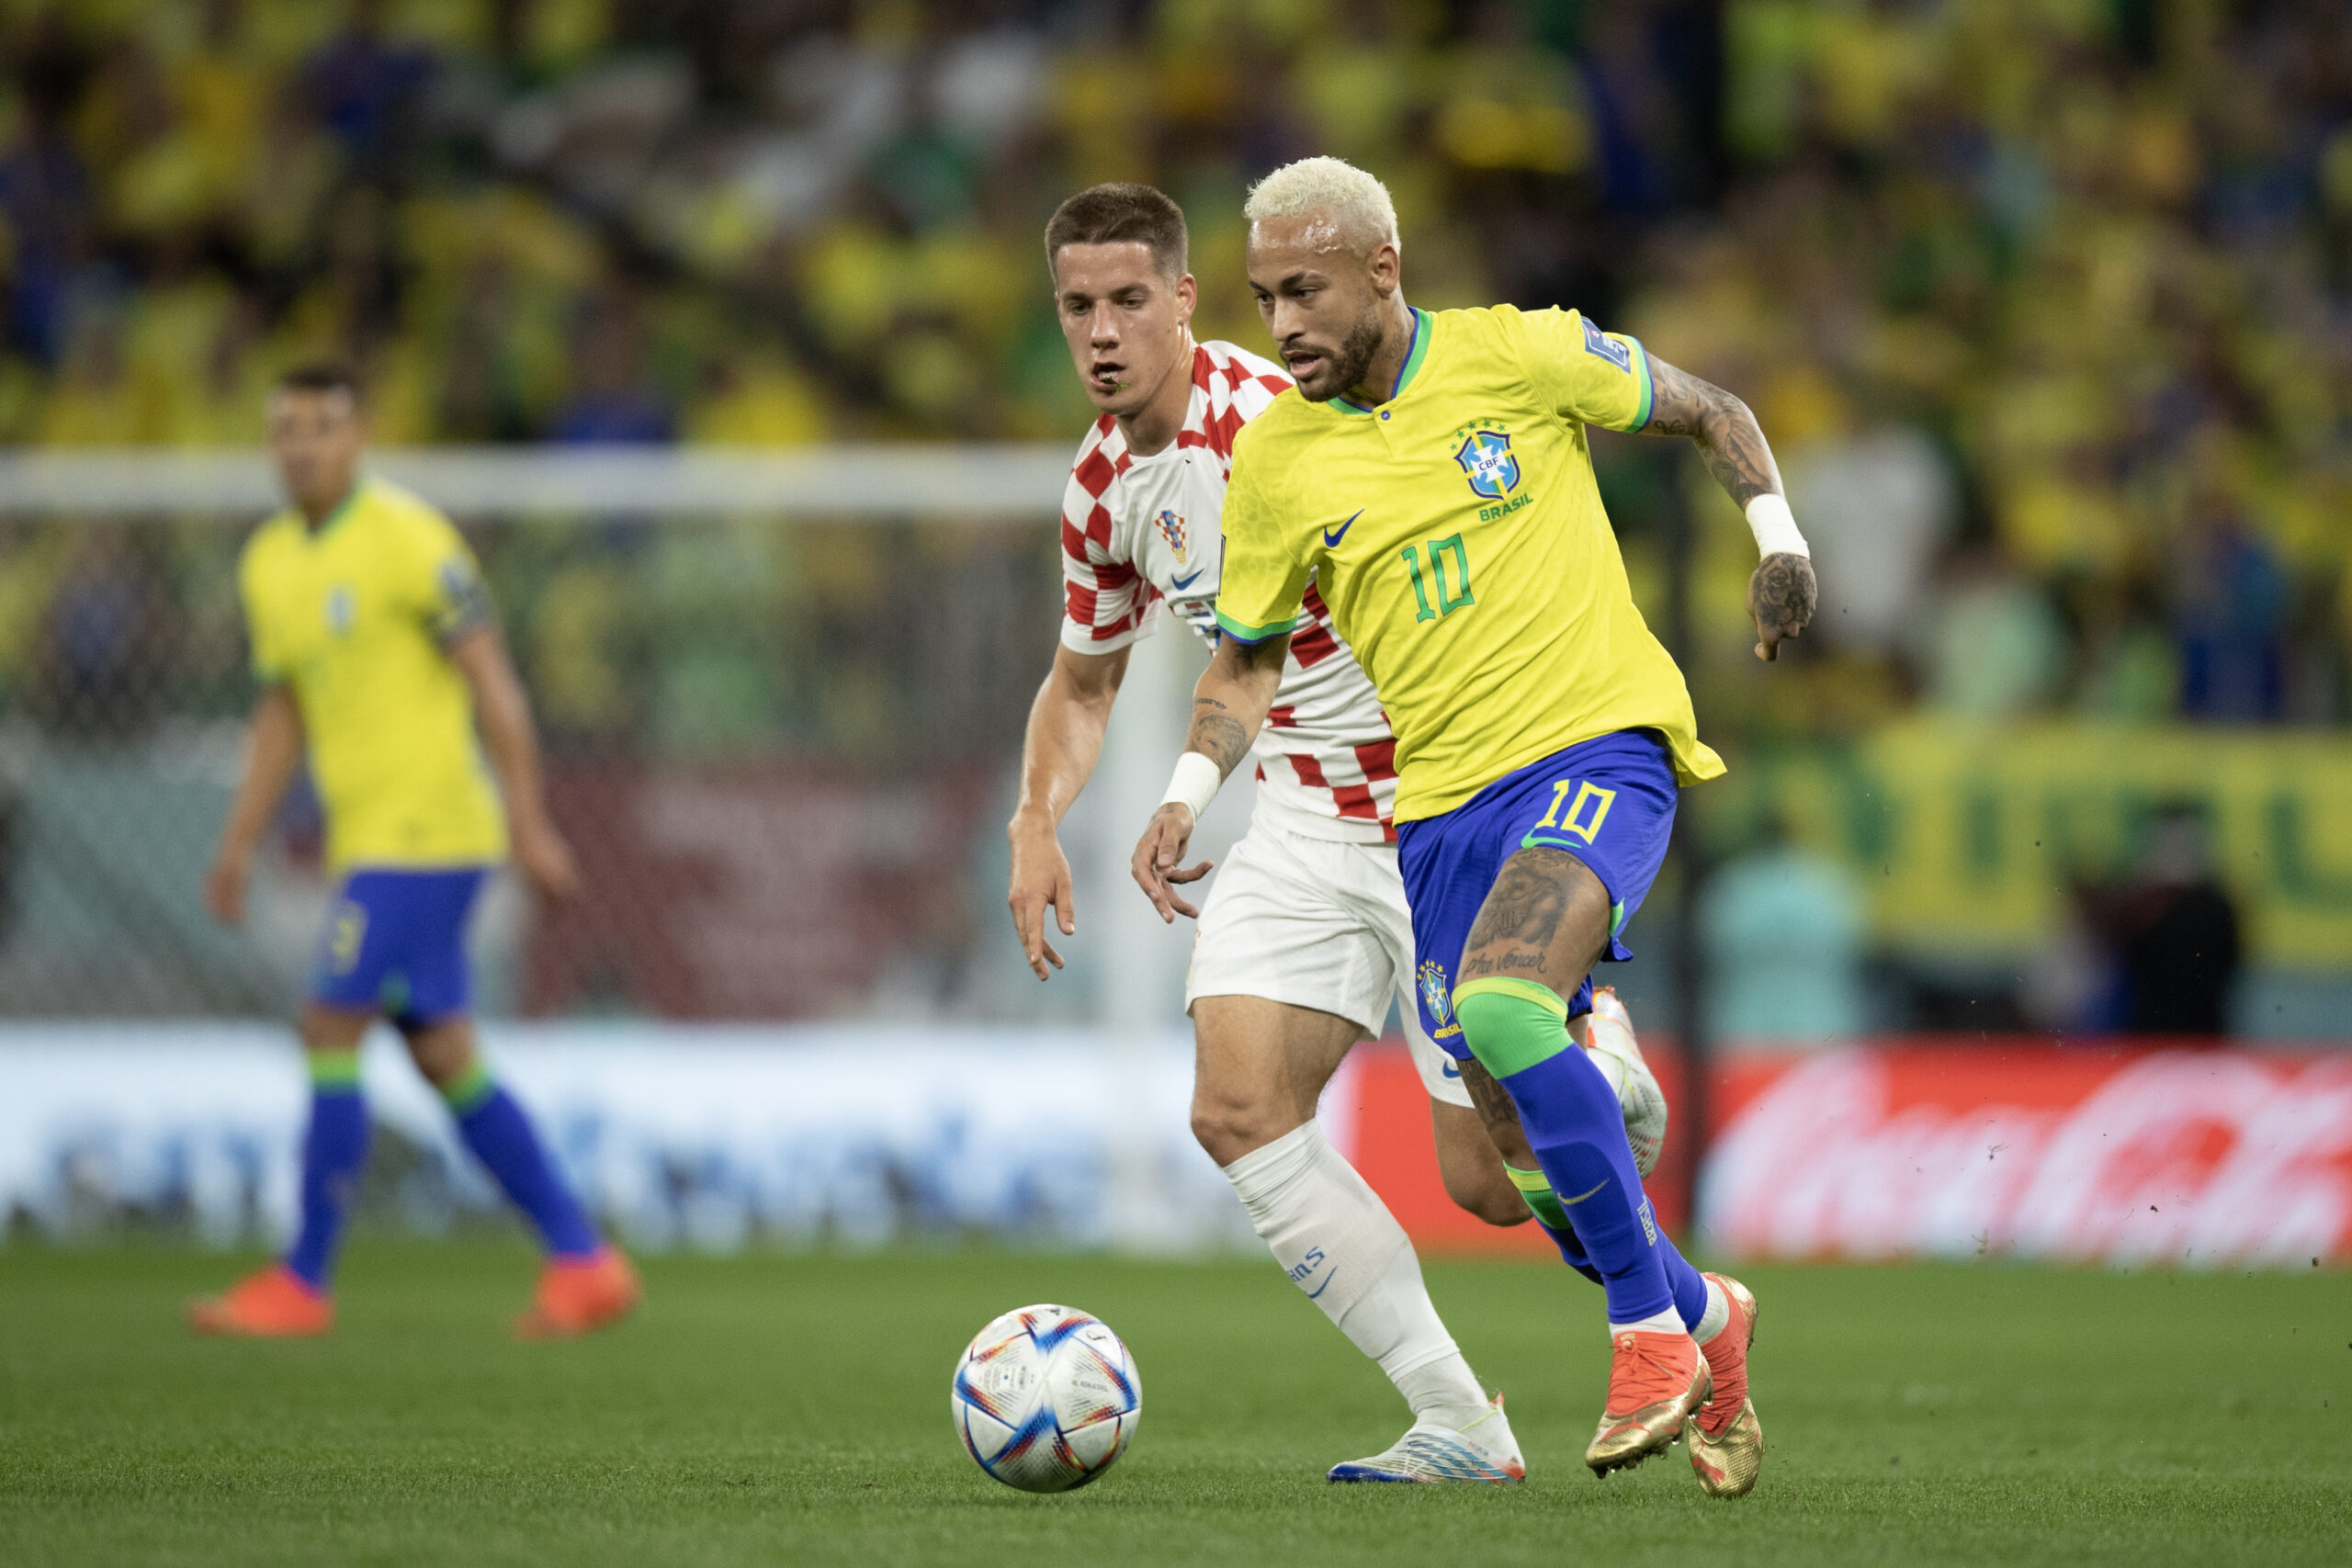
(779,1409)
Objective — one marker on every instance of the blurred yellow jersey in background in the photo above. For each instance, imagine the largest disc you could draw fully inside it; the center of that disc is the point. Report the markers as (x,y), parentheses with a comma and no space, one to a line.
(356,617)
(1458,537)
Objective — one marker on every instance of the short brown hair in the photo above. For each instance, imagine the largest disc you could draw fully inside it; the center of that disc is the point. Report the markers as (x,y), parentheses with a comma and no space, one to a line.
(1117,213)
(322,375)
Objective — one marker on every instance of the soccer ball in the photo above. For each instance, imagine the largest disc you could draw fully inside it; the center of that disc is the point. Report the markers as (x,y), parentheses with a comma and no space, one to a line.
(1046,1398)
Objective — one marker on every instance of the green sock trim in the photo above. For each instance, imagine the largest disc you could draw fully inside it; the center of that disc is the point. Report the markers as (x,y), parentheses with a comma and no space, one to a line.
(1512,1025)
(1541,1202)
(335,1070)
(1541,996)
(470,1089)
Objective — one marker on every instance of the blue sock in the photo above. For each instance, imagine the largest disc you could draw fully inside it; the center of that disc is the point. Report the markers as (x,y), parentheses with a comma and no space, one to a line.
(1544,1204)
(1577,1131)
(1689,1286)
(1518,1030)
(334,1151)
(501,1135)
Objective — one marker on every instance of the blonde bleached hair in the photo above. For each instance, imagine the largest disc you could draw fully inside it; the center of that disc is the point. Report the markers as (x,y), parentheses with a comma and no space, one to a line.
(1358,204)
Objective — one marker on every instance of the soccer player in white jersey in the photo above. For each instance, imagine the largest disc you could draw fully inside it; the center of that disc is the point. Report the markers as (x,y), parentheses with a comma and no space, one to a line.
(1306,935)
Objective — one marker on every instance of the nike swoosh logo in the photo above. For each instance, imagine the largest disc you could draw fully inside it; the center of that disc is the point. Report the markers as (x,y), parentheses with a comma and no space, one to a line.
(1183,583)
(1331,536)
(1582,1196)
(1449,1070)
(1327,1278)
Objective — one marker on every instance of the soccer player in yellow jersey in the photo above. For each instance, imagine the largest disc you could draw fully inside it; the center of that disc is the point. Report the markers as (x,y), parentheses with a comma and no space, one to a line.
(1431,475)
(373,643)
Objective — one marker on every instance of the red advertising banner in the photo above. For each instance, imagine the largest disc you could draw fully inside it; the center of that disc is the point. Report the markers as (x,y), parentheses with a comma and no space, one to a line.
(2119,1153)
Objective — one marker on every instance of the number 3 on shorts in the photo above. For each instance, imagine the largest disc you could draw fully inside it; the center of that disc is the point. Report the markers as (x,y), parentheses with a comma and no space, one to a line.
(1586,813)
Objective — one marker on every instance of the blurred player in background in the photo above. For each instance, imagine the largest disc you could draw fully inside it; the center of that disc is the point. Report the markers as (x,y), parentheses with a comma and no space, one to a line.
(1433,480)
(375,643)
(1306,936)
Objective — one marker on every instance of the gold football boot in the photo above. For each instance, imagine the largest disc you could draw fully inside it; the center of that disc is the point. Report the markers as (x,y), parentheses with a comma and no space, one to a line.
(1725,1437)
(1656,1381)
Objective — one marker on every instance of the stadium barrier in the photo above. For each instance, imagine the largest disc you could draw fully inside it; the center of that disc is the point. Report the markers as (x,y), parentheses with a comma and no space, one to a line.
(705,1137)
(721,1137)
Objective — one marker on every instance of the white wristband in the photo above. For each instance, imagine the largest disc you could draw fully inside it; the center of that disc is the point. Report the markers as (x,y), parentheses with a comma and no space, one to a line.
(1196,783)
(1775,528)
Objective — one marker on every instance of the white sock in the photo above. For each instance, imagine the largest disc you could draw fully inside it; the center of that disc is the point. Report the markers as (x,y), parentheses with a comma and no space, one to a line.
(1717,1316)
(1665,1322)
(1338,1242)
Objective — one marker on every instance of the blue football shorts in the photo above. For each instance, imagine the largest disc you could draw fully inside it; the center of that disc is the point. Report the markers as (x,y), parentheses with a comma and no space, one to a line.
(1609,802)
(395,943)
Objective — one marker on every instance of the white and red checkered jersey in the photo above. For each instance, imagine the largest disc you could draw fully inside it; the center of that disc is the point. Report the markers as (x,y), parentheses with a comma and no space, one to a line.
(1137,531)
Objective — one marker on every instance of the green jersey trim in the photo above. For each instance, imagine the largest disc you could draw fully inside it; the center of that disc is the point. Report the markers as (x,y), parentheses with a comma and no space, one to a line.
(1649,393)
(1242,631)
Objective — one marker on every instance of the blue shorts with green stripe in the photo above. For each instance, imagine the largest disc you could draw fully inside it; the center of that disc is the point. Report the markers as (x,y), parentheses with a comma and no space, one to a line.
(395,943)
(1609,802)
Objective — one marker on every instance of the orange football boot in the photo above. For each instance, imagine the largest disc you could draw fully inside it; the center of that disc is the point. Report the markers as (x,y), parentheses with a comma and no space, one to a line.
(275,1303)
(1654,1382)
(580,1295)
(1725,1437)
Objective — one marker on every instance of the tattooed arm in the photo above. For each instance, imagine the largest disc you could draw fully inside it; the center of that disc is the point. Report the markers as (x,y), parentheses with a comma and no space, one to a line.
(1781,593)
(1229,707)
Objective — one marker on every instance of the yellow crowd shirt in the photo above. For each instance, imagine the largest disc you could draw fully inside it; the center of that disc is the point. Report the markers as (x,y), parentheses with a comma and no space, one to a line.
(1458,537)
(356,617)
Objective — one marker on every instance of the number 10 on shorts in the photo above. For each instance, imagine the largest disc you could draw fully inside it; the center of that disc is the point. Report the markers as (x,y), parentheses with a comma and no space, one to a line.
(1586,812)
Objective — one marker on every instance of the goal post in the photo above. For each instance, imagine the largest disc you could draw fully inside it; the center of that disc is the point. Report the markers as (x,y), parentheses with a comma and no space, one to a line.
(782,692)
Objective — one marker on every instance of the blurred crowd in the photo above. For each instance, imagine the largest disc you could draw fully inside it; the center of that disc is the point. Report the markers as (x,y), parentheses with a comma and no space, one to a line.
(2047,304)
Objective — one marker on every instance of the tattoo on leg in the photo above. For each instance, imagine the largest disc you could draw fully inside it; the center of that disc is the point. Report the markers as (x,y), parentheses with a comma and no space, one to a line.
(1493,1100)
(1524,905)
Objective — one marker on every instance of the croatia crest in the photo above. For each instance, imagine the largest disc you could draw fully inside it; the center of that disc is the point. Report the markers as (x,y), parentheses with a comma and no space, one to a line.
(1172,528)
(1485,458)
(1435,995)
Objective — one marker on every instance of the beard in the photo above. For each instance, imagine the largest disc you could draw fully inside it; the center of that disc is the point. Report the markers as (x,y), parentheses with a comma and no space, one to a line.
(1346,365)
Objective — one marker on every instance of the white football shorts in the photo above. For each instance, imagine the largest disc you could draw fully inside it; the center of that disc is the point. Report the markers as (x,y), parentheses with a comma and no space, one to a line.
(1316,924)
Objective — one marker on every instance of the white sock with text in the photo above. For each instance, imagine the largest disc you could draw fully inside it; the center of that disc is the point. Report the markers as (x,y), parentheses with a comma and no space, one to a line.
(1339,1243)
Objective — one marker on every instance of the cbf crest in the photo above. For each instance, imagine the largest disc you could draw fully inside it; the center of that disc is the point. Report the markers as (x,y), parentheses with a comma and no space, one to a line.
(1487,462)
(1172,528)
(1435,994)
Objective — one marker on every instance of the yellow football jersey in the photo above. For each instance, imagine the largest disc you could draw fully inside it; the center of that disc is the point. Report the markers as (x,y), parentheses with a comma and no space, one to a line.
(356,617)
(1458,537)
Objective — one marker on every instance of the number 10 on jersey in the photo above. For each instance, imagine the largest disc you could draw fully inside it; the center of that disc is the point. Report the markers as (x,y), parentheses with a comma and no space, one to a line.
(1448,601)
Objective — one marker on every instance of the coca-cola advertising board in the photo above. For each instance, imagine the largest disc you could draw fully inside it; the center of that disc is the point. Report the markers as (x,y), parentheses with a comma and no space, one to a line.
(2123,1155)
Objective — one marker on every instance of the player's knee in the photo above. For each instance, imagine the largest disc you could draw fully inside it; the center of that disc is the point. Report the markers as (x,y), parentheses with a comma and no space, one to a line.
(441,1054)
(1487,1193)
(1471,1159)
(1230,1125)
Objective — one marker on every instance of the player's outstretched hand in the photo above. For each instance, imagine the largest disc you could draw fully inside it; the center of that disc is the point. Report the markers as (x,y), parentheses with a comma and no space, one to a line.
(547,862)
(1159,861)
(1040,878)
(1781,597)
(224,888)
